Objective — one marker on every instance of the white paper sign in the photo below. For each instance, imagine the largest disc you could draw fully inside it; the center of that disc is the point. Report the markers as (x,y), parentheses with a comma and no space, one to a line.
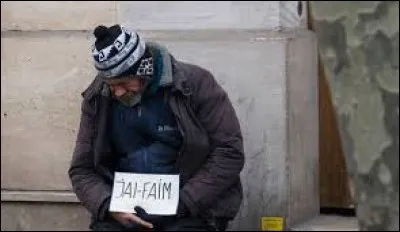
(157,194)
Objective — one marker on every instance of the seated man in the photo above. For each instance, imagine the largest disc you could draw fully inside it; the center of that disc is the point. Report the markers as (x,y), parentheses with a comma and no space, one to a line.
(145,112)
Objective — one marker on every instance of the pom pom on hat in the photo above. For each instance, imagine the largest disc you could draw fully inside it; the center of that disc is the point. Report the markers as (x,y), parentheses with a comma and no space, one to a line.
(101,32)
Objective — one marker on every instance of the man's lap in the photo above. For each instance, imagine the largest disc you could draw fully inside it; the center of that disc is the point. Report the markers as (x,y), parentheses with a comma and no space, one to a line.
(181,224)
(188,224)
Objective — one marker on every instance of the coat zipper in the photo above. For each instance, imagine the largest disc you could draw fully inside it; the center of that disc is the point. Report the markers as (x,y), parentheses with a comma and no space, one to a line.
(180,127)
(145,161)
(178,160)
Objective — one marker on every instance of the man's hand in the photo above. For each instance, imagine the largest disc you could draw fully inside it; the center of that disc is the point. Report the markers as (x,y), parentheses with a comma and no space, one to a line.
(128,218)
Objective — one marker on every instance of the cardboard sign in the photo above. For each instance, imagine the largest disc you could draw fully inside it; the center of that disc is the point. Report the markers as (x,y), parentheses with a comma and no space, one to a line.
(157,194)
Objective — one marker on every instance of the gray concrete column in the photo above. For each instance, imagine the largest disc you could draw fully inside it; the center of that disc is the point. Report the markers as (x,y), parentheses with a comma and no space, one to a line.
(359,47)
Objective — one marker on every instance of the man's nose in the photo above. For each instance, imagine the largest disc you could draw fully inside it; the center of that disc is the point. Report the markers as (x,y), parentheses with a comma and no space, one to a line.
(119,92)
(135,88)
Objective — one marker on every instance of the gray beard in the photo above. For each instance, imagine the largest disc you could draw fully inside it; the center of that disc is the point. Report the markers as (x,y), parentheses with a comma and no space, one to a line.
(130,99)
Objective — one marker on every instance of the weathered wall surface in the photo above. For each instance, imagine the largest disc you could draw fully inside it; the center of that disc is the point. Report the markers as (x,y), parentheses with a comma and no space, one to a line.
(359,46)
(56,15)
(37,216)
(269,75)
(42,77)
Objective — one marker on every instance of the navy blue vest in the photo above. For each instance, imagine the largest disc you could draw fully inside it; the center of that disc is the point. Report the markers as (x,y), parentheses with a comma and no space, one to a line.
(146,136)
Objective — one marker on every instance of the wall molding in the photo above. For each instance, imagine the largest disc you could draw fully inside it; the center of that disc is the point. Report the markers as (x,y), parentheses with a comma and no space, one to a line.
(38,196)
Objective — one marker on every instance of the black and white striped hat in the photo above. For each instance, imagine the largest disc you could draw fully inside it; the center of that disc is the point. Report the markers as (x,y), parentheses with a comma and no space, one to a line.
(118,51)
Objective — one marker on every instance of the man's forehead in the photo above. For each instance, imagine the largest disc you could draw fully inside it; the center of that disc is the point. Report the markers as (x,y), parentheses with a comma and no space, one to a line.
(122,80)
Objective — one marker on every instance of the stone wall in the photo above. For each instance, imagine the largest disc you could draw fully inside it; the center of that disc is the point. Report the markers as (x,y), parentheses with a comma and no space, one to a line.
(359,47)
(260,52)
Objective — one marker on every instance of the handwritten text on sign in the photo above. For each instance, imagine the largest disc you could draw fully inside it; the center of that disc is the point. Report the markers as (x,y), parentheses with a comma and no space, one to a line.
(157,194)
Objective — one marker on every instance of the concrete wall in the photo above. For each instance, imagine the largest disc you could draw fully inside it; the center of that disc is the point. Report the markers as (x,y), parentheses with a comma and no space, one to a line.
(359,46)
(260,52)
(37,216)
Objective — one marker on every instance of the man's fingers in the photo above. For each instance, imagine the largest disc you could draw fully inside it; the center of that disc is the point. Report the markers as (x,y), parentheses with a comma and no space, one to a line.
(134,218)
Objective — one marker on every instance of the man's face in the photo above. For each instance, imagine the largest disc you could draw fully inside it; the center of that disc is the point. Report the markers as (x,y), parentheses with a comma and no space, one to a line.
(123,85)
(127,90)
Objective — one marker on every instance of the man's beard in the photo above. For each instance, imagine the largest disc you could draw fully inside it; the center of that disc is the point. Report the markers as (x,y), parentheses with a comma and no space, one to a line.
(130,98)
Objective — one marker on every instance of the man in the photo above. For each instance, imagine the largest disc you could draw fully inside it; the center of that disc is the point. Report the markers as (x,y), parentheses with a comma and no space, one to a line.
(146,112)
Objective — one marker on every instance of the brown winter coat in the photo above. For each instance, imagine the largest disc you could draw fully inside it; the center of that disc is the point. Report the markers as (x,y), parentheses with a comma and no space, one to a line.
(211,156)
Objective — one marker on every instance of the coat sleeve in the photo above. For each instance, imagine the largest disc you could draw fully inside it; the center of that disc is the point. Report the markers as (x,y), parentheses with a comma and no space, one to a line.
(88,185)
(214,110)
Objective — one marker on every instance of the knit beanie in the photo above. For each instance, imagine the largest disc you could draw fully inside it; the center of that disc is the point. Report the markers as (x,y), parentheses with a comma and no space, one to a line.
(118,52)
